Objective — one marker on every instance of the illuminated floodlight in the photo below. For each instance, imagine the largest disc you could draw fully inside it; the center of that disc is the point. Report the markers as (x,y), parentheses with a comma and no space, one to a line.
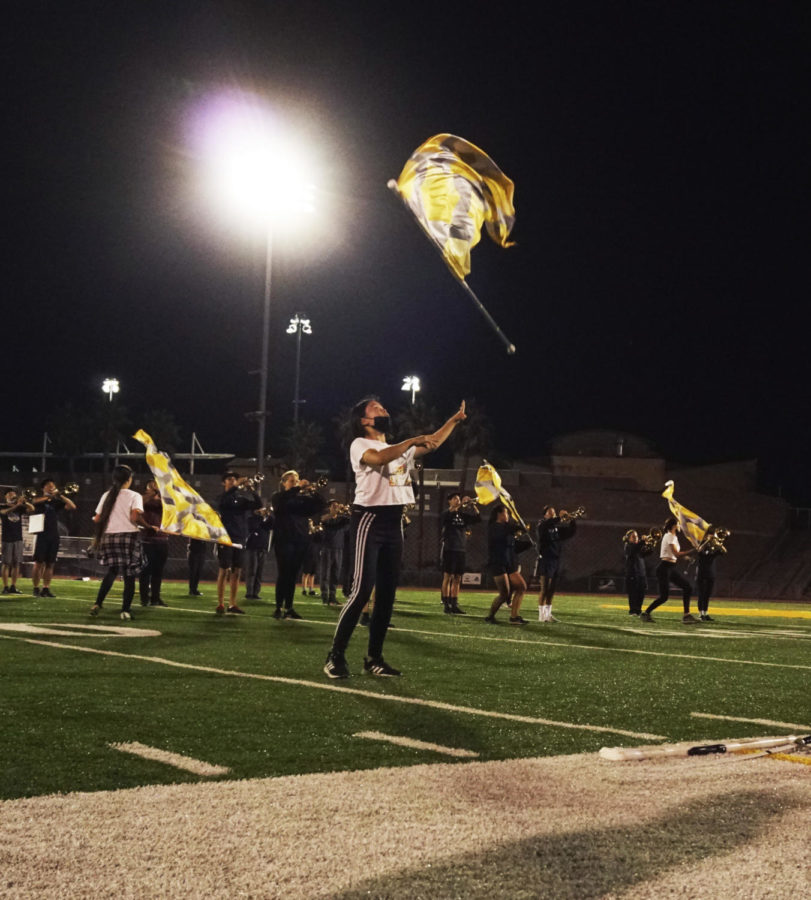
(253,165)
(299,322)
(110,386)
(411,383)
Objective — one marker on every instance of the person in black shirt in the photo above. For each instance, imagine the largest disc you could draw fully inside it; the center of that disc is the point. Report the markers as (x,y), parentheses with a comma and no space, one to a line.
(636,576)
(234,505)
(709,550)
(46,548)
(503,564)
(293,505)
(260,523)
(155,544)
(11,523)
(334,523)
(552,531)
(197,558)
(455,521)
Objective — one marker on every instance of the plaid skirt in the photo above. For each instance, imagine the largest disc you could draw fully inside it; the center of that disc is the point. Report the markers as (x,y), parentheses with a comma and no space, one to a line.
(122,549)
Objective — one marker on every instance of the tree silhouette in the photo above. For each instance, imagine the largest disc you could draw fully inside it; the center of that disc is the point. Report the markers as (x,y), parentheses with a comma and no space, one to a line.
(162,427)
(473,437)
(302,443)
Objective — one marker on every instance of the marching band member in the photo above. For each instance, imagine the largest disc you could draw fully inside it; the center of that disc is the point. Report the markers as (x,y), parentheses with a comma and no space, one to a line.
(46,548)
(196,558)
(456,519)
(234,505)
(552,531)
(260,524)
(293,504)
(335,523)
(710,549)
(11,523)
(670,553)
(156,548)
(503,563)
(636,577)
(118,515)
(382,488)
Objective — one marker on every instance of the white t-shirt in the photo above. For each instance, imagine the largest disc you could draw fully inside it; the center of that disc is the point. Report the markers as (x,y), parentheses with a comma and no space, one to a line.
(388,485)
(119,521)
(670,547)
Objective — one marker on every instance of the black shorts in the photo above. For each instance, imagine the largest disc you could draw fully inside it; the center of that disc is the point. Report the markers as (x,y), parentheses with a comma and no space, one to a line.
(229,557)
(548,566)
(453,562)
(46,548)
(503,568)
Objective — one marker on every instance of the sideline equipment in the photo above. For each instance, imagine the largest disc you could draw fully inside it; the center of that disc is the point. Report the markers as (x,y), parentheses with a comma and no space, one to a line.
(768,744)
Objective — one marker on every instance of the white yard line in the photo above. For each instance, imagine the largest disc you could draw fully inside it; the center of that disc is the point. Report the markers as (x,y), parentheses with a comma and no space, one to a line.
(59,629)
(792,725)
(188,763)
(415,744)
(372,695)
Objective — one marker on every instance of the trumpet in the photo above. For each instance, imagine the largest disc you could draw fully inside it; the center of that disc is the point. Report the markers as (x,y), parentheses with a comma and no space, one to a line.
(409,507)
(469,504)
(312,487)
(314,527)
(579,513)
(652,538)
(251,482)
(341,509)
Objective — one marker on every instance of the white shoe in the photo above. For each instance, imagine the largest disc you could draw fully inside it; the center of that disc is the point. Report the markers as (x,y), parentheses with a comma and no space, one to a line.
(551,618)
(126,616)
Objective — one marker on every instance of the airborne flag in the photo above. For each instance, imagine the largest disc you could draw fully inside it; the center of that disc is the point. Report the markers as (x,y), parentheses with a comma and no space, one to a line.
(488,489)
(453,188)
(691,525)
(184,510)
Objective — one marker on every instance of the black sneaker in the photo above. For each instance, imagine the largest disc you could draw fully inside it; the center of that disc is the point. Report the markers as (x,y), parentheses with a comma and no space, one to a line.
(380,668)
(706,617)
(517,620)
(144,601)
(688,619)
(365,618)
(195,594)
(335,666)
(36,592)
(277,614)
(457,610)
(645,617)
(235,610)
(291,614)
(14,590)
(157,602)
(95,610)
(491,620)
(6,590)
(46,592)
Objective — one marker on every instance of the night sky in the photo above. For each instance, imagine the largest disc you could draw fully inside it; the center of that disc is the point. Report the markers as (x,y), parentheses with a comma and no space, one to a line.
(659,153)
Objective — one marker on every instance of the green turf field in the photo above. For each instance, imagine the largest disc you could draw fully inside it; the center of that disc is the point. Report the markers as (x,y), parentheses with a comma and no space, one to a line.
(248,693)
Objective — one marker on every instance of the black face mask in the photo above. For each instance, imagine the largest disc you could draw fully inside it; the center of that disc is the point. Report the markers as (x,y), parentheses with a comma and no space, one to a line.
(382,424)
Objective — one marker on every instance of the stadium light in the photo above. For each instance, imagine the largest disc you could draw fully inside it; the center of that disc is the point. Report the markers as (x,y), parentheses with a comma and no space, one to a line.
(298,325)
(411,383)
(110,386)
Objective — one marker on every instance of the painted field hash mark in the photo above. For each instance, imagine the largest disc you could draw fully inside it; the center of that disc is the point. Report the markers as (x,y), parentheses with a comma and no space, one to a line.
(414,744)
(769,722)
(187,763)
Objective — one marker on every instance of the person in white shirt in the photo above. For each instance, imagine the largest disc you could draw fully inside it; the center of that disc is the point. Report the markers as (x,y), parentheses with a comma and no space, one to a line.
(382,488)
(670,553)
(117,541)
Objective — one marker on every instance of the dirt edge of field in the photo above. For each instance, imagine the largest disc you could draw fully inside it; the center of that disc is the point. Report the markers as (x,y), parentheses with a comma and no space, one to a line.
(574,826)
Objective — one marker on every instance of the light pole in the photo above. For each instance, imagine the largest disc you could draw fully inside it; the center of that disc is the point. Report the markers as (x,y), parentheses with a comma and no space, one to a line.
(262,178)
(411,383)
(110,386)
(298,326)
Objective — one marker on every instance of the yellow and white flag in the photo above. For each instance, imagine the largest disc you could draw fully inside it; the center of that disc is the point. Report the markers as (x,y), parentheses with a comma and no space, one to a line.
(488,489)
(691,525)
(453,188)
(184,510)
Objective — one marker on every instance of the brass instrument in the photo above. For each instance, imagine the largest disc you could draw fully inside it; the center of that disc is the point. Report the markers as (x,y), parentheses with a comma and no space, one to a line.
(29,493)
(714,541)
(314,486)
(342,509)
(314,527)
(67,491)
(579,513)
(651,539)
(251,482)
(469,504)
(409,507)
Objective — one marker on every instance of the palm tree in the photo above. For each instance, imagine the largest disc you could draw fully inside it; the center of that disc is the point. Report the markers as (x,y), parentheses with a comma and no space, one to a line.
(473,437)
(72,432)
(416,418)
(302,444)
(161,425)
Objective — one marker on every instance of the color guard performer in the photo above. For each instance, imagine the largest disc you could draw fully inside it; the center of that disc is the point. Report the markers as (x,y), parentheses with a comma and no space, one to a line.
(670,553)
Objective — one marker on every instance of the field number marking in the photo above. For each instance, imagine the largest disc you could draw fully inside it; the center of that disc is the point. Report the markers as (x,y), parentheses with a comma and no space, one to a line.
(188,763)
(415,744)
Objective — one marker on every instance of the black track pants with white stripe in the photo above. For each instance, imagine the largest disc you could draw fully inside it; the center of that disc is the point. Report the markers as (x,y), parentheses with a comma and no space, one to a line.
(377,548)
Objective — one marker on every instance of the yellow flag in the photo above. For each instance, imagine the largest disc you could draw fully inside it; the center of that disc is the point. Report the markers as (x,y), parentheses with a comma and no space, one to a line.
(453,188)
(488,489)
(691,525)
(184,510)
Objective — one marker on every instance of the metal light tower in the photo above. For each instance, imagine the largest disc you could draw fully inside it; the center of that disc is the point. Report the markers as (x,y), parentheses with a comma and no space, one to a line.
(411,383)
(298,325)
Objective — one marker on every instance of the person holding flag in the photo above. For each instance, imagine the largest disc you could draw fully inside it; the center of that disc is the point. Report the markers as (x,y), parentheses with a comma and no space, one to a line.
(670,553)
